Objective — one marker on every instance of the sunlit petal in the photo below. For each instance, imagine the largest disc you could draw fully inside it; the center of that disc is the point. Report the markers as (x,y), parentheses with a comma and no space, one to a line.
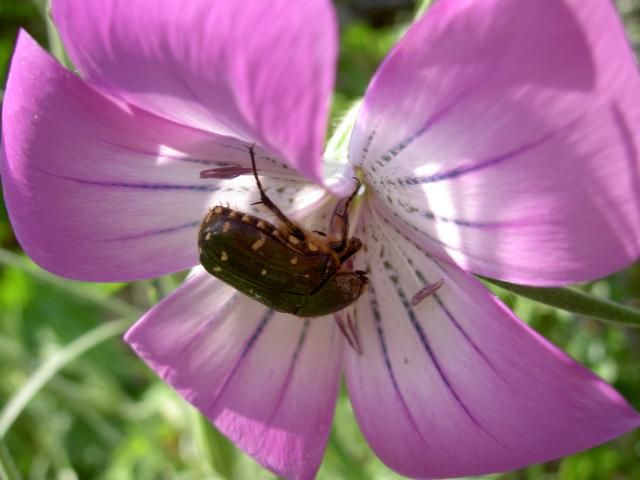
(100,191)
(267,380)
(456,385)
(254,70)
(505,134)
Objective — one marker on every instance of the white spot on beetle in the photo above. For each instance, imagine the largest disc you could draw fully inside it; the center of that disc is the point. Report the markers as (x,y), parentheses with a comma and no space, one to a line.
(294,260)
(226,226)
(259,243)
(245,219)
(207,236)
(217,269)
(312,246)
(224,257)
(217,210)
(263,272)
(293,240)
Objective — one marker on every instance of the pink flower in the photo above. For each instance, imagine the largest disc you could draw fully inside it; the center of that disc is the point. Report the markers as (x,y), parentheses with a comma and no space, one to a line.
(500,137)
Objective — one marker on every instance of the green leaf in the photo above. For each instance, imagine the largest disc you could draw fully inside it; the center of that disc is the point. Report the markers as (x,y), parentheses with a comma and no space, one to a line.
(422,7)
(112,304)
(338,145)
(8,470)
(575,301)
(219,452)
(52,366)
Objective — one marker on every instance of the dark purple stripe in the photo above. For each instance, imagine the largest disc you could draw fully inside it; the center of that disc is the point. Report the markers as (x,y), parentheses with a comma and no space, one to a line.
(156,155)
(220,313)
(290,370)
(422,336)
(245,351)
(430,122)
(423,234)
(474,167)
(464,223)
(411,209)
(373,303)
(466,336)
(301,338)
(365,149)
(440,302)
(217,144)
(151,233)
(256,333)
(133,185)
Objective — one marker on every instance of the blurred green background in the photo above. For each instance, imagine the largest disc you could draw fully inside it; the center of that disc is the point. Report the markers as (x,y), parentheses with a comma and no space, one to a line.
(77,404)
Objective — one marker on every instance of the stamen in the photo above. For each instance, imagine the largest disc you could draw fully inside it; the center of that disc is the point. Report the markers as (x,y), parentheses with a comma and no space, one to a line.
(225,173)
(426,292)
(349,331)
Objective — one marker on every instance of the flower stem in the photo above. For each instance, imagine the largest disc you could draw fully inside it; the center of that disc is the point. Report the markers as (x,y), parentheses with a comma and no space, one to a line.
(575,301)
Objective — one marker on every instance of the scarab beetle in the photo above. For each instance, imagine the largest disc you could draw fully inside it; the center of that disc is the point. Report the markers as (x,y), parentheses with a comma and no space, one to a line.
(284,267)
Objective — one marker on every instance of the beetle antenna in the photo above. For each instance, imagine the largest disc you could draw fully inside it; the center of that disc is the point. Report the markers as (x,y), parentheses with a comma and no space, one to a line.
(267,202)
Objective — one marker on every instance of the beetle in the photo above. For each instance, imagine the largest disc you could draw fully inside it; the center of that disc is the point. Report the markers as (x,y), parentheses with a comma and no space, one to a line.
(283,266)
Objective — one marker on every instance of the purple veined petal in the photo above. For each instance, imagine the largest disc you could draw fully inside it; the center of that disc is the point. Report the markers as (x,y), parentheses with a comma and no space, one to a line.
(512,144)
(101,191)
(256,70)
(267,380)
(457,385)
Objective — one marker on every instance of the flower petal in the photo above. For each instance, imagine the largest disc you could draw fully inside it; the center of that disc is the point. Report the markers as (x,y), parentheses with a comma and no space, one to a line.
(100,191)
(267,380)
(255,70)
(457,385)
(506,134)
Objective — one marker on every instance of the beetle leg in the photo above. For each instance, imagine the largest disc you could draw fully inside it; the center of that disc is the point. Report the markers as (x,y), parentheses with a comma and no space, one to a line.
(267,202)
(352,246)
(340,222)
